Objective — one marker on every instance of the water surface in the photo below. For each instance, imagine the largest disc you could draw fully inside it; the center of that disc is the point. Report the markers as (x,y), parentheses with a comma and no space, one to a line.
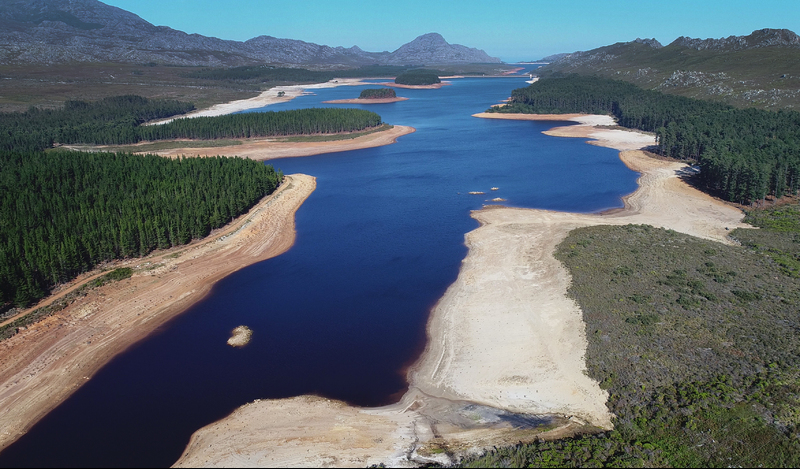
(343,312)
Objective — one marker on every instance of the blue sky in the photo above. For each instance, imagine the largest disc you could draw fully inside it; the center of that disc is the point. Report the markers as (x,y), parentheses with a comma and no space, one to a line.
(509,29)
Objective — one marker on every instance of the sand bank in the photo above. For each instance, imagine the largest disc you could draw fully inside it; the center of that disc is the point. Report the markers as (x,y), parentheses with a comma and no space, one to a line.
(42,365)
(366,101)
(504,337)
(270,148)
(271,96)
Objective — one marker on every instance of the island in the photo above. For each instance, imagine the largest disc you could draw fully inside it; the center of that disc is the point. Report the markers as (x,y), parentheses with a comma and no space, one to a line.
(371,96)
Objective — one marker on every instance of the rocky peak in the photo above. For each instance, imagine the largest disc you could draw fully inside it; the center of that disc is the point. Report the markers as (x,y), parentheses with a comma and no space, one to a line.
(649,42)
(433,49)
(757,39)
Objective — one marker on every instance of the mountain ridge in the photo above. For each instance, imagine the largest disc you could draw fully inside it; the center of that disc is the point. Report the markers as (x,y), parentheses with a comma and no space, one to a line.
(64,31)
(761,69)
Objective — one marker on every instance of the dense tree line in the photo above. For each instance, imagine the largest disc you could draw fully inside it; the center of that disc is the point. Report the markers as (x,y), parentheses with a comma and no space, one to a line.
(117,121)
(111,120)
(377,93)
(62,213)
(264,124)
(745,154)
(418,77)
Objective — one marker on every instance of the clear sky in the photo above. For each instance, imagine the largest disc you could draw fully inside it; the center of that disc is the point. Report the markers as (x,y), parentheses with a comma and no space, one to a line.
(509,29)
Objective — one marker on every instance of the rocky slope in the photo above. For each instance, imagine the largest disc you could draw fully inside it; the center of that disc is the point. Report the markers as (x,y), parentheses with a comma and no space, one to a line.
(64,31)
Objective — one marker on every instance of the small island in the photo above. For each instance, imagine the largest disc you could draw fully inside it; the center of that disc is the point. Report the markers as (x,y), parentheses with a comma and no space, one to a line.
(419,79)
(240,336)
(371,96)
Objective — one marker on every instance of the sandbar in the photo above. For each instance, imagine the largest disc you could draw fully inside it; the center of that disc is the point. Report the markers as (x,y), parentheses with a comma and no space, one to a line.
(504,337)
(44,364)
(366,101)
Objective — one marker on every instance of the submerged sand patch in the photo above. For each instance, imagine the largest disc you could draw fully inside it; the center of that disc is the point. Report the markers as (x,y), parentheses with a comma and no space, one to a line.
(240,336)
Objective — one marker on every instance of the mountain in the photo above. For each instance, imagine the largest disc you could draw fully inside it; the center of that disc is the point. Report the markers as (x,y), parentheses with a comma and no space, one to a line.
(65,31)
(761,69)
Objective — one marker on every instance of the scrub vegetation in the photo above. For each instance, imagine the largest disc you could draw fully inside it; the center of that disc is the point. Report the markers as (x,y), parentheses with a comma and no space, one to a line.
(696,343)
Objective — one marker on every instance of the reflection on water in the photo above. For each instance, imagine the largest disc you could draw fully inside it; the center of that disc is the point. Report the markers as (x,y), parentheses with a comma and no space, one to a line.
(344,311)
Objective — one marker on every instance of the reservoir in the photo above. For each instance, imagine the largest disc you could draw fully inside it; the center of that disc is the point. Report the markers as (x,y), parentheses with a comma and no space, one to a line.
(342,314)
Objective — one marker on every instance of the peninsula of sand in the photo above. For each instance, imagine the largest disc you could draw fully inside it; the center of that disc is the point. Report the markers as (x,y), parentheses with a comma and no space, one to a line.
(504,342)
(46,362)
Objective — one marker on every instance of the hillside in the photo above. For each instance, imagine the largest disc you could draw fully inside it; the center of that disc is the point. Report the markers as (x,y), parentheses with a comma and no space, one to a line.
(45,32)
(761,69)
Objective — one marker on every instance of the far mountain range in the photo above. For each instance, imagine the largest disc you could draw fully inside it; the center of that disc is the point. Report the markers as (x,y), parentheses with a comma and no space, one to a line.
(65,31)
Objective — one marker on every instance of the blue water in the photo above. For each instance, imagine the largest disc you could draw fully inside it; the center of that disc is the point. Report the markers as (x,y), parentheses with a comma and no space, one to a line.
(342,313)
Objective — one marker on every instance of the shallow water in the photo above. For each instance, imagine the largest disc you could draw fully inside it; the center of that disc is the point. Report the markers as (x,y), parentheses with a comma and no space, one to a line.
(343,312)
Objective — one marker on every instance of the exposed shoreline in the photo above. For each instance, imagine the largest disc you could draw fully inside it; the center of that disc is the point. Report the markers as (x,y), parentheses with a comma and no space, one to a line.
(43,365)
(504,336)
(263,149)
(266,98)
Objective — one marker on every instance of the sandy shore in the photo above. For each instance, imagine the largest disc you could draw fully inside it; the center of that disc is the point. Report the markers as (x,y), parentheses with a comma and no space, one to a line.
(366,101)
(270,148)
(42,365)
(504,337)
(264,99)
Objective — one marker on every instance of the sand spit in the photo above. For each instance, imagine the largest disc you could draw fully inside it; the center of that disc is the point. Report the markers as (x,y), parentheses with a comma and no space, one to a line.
(503,339)
(42,365)
(271,96)
(270,148)
(366,101)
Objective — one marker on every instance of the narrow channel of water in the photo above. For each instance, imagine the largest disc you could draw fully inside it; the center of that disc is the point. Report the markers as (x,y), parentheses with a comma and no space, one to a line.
(344,311)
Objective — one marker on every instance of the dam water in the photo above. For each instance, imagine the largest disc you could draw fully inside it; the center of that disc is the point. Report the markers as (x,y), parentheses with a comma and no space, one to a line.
(343,312)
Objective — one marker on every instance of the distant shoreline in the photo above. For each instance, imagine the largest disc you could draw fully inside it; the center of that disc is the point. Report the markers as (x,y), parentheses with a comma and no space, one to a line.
(434,86)
(366,101)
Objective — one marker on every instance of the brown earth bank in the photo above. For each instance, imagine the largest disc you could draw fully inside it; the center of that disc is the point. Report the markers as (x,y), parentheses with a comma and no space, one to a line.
(504,338)
(44,364)
(366,101)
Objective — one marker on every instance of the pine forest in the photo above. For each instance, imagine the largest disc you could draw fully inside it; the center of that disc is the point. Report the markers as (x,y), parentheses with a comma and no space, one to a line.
(744,154)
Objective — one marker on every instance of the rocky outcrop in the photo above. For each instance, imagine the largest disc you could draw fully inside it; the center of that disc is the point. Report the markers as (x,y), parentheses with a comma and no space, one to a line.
(758,39)
(59,31)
